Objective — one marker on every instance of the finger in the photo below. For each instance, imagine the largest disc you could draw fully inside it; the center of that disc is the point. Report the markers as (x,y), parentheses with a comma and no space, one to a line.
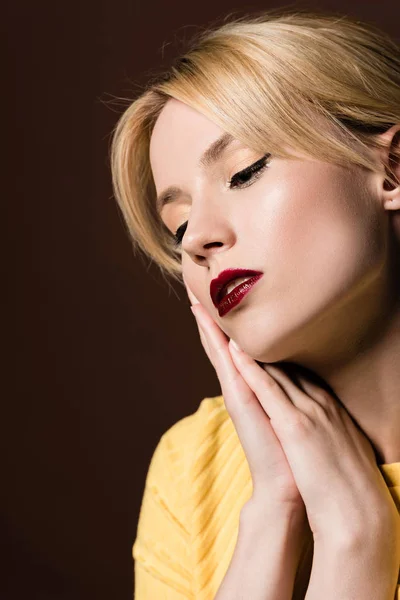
(194,301)
(218,344)
(204,342)
(297,394)
(256,435)
(271,395)
(192,297)
(316,392)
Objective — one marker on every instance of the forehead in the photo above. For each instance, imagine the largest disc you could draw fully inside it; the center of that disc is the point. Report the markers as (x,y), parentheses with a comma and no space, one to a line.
(179,137)
(178,125)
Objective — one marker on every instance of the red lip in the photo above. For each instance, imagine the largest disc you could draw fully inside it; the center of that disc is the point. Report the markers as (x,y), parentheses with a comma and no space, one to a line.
(218,284)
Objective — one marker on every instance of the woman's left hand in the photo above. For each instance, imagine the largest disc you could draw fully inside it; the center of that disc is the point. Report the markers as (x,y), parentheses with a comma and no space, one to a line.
(332,461)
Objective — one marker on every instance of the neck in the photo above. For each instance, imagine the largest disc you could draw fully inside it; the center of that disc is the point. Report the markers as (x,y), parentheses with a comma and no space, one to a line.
(359,363)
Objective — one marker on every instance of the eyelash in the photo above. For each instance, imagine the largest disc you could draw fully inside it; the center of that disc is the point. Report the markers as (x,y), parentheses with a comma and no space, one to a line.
(254,171)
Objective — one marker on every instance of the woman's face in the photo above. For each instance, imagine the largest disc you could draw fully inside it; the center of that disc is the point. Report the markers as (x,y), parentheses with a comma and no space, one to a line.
(316,231)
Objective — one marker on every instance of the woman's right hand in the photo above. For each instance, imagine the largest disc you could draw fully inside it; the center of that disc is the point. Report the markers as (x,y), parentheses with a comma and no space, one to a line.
(273,484)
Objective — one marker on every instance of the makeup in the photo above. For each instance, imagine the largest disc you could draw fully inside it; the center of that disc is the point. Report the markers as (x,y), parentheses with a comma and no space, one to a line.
(231,286)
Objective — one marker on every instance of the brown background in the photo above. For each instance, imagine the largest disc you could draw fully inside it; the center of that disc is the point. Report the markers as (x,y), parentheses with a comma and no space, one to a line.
(101,356)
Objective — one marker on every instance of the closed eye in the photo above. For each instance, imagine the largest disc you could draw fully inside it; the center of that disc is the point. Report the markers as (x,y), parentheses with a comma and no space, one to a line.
(240,180)
(249,174)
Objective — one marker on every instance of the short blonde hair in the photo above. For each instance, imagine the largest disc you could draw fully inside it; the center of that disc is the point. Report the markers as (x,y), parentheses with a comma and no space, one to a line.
(268,80)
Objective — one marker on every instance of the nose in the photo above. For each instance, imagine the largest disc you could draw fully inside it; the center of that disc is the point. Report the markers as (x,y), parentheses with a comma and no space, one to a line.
(208,232)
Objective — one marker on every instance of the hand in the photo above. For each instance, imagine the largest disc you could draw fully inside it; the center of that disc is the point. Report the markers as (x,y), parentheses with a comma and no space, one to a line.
(330,462)
(273,482)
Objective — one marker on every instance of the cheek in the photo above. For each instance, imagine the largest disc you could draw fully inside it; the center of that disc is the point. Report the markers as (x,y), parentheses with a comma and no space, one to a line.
(187,267)
(319,250)
(196,279)
(307,236)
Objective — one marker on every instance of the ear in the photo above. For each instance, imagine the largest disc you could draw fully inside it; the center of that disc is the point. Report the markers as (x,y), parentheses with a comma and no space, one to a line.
(391,159)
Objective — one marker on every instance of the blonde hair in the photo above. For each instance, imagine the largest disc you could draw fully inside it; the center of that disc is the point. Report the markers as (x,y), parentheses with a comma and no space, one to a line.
(324,85)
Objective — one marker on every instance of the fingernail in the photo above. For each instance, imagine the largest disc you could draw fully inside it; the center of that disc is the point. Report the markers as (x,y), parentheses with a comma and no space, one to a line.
(198,316)
(235,345)
(193,309)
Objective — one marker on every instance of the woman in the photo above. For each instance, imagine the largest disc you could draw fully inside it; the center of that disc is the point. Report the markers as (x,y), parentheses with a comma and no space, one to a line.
(263,171)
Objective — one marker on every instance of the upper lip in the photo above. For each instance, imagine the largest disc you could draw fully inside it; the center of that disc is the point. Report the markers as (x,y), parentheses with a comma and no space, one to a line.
(217,285)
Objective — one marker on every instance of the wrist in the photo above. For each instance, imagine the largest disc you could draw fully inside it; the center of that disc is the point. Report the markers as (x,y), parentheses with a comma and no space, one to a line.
(266,510)
(280,521)
(353,567)
(376,529)
(269,548)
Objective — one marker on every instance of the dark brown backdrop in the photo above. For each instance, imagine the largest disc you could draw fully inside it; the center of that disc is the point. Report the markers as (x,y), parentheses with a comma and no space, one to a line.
(101,358)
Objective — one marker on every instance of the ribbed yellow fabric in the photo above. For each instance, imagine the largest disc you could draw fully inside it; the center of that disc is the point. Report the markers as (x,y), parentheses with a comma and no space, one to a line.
(197,483)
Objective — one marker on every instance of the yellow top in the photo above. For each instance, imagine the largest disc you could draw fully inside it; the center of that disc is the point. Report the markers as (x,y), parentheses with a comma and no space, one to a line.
(197,483)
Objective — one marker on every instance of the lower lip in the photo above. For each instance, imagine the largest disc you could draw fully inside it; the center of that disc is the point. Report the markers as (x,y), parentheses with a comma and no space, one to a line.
(236,295)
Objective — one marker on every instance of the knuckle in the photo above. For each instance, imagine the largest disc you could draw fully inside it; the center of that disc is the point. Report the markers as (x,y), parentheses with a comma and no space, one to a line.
(298,425)
(233,407)
(317,412)
(231,382)
(271,384)
(324,399)
(219,350)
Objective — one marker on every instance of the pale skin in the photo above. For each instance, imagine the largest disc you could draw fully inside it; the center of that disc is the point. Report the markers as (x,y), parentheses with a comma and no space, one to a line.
(327,239)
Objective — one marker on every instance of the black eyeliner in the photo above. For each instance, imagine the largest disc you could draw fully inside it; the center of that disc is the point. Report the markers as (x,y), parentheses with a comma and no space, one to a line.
(251,169)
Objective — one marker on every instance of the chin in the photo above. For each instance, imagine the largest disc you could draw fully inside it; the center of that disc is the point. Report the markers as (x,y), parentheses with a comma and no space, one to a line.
(262,353)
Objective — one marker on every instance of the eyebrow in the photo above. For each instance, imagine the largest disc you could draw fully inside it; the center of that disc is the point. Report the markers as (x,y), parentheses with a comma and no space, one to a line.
(210,156)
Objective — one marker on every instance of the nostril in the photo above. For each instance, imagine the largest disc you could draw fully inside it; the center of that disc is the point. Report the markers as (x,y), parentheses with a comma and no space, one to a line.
(219,244)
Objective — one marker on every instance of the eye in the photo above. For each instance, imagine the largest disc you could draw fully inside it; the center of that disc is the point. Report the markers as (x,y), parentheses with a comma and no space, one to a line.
(179,234)
(250,174)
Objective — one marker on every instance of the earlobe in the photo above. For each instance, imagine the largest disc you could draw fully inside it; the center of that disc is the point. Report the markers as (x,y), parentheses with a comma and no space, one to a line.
(391,157)
(391,198)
